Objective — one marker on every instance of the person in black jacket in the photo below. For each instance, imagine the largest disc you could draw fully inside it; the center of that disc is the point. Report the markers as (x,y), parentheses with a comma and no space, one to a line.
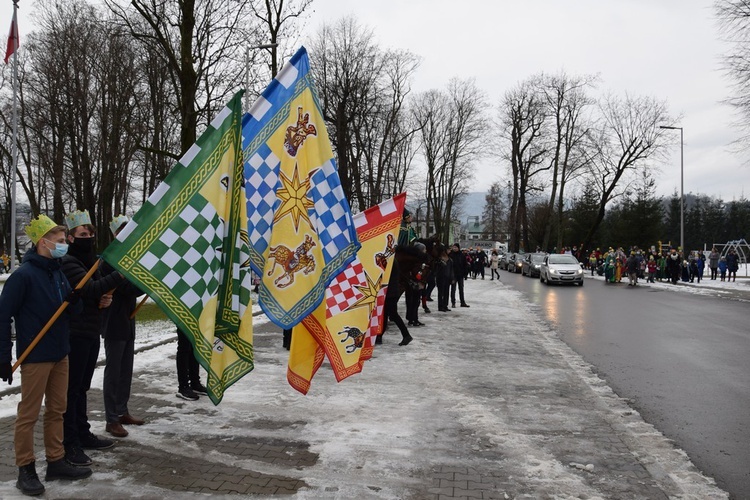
(119,346)
(392,295)
(460,268)
(85,332)
(443,279)
(30,297)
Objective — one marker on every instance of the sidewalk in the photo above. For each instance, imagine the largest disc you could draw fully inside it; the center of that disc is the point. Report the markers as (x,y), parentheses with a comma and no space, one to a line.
(485,403)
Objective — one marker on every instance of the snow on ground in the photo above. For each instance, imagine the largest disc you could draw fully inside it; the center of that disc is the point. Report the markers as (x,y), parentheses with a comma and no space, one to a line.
(490,388)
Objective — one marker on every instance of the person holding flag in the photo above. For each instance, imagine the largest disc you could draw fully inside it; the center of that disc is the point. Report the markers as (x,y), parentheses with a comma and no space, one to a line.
(85,333)
(30,297)
(119,346)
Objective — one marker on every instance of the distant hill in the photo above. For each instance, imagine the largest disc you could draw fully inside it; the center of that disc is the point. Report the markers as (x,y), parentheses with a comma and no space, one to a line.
(472,204)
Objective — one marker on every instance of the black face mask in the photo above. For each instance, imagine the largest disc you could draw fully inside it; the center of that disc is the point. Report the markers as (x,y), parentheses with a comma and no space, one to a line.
(83,244)
(83,249)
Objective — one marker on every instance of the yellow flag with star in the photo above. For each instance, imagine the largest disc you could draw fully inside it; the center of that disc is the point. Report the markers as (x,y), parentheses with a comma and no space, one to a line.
(300,223)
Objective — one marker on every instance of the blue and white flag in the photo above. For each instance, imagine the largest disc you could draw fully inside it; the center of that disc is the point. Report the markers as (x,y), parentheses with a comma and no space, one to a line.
(299,221)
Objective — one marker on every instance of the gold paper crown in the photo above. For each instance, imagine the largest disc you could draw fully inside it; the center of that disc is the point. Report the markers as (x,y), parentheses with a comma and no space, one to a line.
(77,218)
(118,221)
(39,227)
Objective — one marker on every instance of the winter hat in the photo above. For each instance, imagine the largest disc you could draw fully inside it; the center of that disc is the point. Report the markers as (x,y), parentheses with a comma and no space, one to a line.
(406,213)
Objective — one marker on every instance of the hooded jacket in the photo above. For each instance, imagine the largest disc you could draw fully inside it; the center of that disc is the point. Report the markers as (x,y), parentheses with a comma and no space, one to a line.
(31,296)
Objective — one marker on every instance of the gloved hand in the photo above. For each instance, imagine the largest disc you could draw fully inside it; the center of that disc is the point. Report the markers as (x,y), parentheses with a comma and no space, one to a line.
(73,297)
(6,372)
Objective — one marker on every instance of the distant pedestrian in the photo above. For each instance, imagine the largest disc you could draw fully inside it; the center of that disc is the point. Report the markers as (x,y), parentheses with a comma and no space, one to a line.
(480,261)
(694,271)
(723,268)
(593,262)
(416,284)
(631,265)
(494,258)
(651,266)
(674,266)
(733,265)
(443,279)
(460,266)
(713,262)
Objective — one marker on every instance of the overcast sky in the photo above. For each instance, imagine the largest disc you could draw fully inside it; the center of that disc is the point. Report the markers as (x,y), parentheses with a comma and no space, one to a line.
(668,49)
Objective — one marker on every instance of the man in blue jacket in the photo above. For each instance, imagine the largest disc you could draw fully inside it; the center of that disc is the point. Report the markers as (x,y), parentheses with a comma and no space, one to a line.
(30,297)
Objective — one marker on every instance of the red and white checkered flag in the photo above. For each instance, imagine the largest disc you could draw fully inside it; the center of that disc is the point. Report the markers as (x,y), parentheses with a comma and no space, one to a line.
(342,293)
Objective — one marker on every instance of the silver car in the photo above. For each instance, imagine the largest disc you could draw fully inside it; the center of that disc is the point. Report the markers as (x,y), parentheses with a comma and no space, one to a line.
(561,268)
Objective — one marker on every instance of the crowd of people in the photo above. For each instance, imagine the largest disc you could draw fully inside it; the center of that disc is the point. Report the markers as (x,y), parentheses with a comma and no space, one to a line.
(441,271)
(654,265)
(62,274)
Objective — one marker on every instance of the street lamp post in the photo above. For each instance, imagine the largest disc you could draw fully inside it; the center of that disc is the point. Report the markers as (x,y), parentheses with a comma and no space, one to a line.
(271,46)
(682,188)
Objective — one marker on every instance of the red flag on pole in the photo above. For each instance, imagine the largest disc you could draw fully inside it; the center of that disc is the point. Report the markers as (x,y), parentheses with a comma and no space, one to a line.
(13,40)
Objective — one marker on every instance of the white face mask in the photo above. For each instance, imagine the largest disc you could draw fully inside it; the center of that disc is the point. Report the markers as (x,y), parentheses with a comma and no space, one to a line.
(59,251)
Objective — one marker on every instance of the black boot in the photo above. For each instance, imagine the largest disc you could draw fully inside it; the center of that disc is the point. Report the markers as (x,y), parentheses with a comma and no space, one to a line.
(60,469)
(28,482)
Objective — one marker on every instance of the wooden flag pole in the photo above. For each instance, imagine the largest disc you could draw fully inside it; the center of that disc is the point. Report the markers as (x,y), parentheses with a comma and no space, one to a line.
(135,311)
(54,317)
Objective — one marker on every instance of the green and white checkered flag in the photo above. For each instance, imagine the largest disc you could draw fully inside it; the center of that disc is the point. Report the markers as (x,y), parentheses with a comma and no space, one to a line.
(187,247)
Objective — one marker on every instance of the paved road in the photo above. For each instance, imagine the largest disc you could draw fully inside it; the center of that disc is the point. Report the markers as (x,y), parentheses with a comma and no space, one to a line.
(682,359)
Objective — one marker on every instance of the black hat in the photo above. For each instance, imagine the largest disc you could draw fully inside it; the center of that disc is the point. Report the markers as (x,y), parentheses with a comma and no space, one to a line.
(406,213)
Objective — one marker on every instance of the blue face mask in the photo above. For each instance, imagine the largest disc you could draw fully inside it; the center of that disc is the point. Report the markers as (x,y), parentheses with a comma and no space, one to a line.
(59,251)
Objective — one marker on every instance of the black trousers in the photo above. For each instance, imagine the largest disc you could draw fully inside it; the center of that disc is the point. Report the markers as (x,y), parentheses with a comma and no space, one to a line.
(188,369)
(443,287)
(460,285)
(391,312)
(84,352)
(118,376)
(413,298)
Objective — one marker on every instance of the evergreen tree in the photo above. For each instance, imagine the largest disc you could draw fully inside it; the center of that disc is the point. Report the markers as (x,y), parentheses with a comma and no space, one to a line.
(581,217)
(494,212)
(645,214)
(694,225)
(671,233)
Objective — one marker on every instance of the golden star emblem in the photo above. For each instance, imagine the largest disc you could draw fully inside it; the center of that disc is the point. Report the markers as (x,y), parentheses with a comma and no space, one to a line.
(369,292)
(294,200)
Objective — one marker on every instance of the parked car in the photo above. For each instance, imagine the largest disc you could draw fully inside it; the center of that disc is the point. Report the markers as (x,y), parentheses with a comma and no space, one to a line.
(531,263)
(515,261)
(502,262)
(561,268)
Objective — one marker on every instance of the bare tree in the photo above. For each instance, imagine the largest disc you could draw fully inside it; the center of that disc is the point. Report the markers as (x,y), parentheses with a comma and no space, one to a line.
(566,100)
(451,128)
(523,116)
(363,92)
(734,19)
(276,15)
(201,42)
(628,138)
(346,67)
